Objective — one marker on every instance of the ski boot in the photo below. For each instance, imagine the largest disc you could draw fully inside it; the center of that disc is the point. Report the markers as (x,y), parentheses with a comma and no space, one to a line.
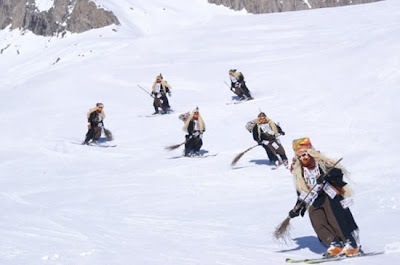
(334,249)
(350,250)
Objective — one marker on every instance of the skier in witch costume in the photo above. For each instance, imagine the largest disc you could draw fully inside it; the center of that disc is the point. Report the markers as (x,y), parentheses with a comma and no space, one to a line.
(96,117)
(195,127)
(265,133)
(160,89)
(328,200)
(238,85)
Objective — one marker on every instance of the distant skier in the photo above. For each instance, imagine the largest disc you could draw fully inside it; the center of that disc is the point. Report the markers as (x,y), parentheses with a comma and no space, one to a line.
(160,89)
(96,118)
(266,134)
(195,127)
(238,85)
(328,209)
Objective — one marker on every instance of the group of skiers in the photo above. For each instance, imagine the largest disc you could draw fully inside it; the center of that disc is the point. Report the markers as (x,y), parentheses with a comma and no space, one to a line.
(320,187)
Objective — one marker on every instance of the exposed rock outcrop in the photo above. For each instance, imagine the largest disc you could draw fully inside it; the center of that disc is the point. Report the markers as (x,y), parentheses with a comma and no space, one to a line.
(272,6)
(75,16)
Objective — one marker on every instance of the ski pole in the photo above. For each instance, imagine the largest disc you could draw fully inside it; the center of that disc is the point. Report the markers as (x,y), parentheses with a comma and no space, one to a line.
(228,86)
(145,91)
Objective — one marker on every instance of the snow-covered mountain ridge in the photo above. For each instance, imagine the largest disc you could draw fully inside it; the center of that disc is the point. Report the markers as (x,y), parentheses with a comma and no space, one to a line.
(272,6)
(54,18)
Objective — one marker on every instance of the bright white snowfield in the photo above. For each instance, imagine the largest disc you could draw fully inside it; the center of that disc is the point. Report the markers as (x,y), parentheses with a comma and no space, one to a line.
(330,74)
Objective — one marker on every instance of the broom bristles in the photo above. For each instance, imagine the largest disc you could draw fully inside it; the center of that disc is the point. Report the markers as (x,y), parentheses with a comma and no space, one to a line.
(172,147)
(236,159)
(282,232)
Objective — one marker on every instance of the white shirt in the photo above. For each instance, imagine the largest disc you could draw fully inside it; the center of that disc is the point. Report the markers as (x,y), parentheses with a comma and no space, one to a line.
(158,87)
(266,129)
(196,126)
(311,175)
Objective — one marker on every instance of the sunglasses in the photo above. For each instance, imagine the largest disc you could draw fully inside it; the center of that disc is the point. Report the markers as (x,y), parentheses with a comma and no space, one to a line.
(303,155)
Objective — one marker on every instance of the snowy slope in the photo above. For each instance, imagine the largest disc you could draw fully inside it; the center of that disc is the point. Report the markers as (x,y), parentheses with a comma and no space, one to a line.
(330,74)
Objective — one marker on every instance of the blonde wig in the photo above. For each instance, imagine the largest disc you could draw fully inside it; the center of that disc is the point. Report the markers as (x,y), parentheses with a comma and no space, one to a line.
(95,109)
(324,163)
(202,125)
(163,83)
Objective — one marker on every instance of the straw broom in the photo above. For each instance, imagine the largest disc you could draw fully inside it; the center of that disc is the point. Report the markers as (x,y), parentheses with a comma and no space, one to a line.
(175,146)
(236,159)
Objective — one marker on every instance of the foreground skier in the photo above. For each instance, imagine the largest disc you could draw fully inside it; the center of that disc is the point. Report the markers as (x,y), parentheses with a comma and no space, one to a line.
(327,204)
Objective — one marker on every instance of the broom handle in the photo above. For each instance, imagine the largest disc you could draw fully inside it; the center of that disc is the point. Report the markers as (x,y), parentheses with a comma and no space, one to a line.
(248,149)
(190,137)
(298,206)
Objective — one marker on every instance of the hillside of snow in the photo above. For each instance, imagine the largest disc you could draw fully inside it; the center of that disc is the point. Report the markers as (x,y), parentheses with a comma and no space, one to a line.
(329,74)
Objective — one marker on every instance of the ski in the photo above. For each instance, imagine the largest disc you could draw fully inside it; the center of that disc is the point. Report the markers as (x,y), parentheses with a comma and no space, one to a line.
(278,167)
(329,259)
(103,145)
(96,145)
(149,116)
(317,260)
(154,115)
(238,101)
(204,156)
(161,113)
(233,102)
(199,156)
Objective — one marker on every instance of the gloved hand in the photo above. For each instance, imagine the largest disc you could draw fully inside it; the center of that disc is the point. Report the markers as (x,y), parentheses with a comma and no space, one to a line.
(237,84)
(321,179)
(293,214)
(300,211)
(334,174)
(260,142)
(263,142)
(303,210)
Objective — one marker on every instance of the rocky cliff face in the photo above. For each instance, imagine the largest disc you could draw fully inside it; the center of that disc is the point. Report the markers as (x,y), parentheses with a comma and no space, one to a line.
(272,6)
(63,15)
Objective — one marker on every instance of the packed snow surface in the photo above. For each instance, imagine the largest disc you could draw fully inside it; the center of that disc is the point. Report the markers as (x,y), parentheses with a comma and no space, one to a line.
(329,74)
